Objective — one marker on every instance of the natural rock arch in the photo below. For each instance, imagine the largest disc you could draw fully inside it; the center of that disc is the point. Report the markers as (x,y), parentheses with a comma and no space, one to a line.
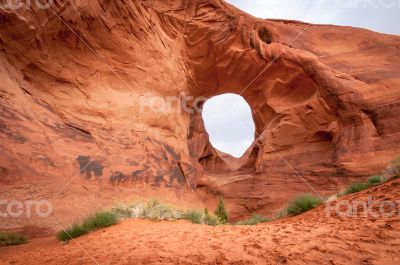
(327,113)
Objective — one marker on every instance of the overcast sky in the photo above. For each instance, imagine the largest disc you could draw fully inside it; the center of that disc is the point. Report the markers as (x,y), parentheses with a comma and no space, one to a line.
(229,123)
(377,15)
(228,117)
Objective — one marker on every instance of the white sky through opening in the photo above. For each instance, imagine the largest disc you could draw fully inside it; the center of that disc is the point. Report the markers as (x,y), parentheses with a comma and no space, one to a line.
(229,123)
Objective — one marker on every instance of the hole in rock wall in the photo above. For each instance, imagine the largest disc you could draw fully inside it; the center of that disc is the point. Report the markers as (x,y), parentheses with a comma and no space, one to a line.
(322,137)
(229,123)
(265,35)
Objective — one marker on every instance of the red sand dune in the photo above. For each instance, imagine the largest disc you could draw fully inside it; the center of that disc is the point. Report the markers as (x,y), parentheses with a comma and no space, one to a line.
(311,238)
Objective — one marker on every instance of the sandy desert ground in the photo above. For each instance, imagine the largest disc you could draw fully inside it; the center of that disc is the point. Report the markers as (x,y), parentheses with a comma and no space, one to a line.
(311,238)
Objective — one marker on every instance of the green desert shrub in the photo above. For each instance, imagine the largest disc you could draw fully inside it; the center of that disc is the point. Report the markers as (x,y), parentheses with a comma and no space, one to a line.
(357,187)
(212,219)
(221,212)
(97,221)
(10,239)
(303,203)
(392,171)
(201,217)
(194,215)
(156,210)
(123,211)
(153,209)
(396,167)
(100,220)
(74,231)
(254,219)
(282,213)
(374,180)
(134,210)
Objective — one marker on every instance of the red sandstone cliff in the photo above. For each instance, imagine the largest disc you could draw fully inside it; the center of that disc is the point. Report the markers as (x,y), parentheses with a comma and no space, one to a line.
(74,79)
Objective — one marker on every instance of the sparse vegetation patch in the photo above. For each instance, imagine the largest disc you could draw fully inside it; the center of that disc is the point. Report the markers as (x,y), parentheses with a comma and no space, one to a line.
(254,219)
(194,215)
(10,239)
(153,209)
(211,219)
(374,180)
(356,187)
(156,210)
(97,221)
(303,203)
(221,212)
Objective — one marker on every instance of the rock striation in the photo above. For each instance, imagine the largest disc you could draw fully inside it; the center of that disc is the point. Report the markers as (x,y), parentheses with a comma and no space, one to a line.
(91,96)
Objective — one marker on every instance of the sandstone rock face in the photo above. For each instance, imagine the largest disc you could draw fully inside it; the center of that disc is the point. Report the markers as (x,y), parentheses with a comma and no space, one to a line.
(84,86)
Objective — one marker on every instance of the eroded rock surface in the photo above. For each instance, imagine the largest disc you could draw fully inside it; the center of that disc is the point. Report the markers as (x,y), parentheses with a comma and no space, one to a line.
(78,81)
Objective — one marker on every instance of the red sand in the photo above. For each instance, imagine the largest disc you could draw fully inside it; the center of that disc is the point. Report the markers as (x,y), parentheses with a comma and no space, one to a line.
(306,239)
